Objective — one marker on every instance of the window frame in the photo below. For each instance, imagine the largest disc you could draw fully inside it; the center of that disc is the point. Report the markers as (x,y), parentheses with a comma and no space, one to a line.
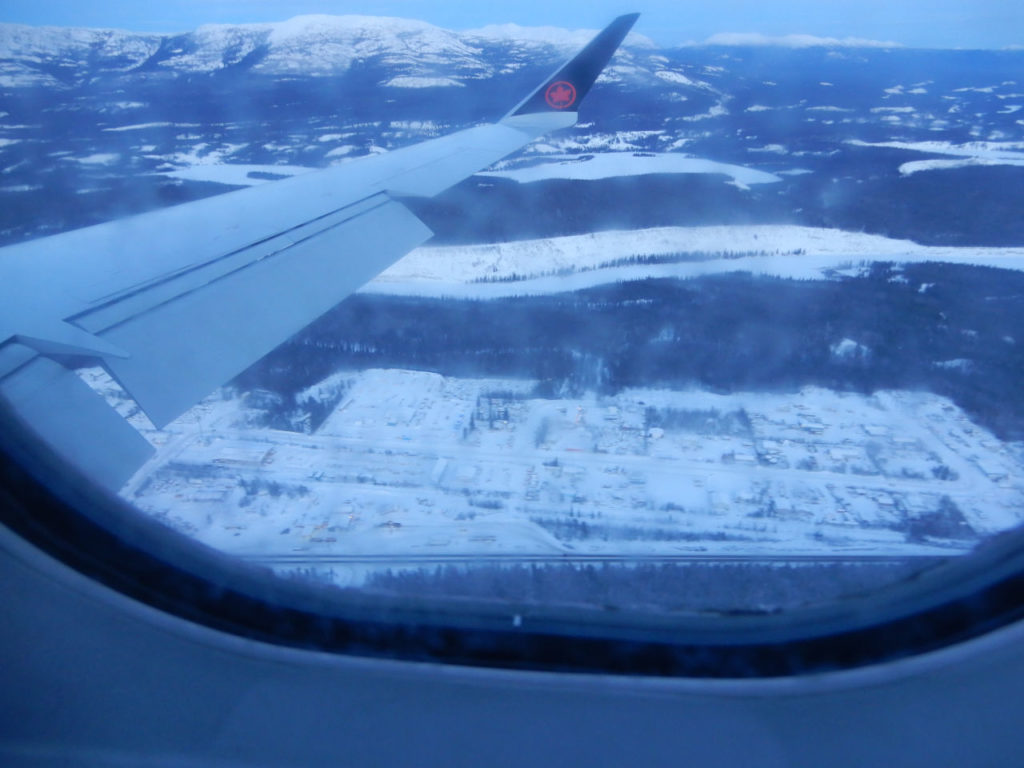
(104,538)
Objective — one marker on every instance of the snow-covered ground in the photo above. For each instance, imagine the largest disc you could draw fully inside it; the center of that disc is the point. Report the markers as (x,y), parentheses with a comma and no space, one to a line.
(570,263)
(209,165)
(146,126)
(412,463)
(608,164)
(409,81)
(236,174)
(970,154)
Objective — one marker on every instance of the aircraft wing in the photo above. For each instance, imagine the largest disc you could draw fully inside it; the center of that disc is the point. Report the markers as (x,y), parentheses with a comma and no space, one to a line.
(175,302)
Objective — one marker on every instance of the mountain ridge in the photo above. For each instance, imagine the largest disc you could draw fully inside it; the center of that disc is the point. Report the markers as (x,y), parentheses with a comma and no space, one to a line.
(319,45)
(306,44)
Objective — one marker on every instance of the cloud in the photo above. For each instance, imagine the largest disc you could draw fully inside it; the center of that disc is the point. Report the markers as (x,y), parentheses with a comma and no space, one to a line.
(796,41)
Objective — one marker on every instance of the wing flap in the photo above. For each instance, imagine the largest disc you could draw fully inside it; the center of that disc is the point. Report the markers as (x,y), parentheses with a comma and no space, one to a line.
(120,307)
(66,413)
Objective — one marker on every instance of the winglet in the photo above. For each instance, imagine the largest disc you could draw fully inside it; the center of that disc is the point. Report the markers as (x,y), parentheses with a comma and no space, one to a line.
(564,90)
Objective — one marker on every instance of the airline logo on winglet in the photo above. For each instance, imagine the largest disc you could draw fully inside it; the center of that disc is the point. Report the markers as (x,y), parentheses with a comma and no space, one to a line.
(560,95)
(568,86)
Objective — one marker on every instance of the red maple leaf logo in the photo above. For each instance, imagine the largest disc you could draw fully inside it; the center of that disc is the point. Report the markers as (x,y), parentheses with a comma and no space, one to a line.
(560,95)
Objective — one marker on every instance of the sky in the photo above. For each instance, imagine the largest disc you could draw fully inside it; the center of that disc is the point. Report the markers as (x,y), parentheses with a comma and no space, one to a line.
(916,23)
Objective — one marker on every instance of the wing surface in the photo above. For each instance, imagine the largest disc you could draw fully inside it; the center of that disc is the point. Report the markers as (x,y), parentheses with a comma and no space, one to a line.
(177,301)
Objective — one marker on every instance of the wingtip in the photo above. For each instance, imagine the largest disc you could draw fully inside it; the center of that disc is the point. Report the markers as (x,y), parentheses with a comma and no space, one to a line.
(624,22)
(564,90)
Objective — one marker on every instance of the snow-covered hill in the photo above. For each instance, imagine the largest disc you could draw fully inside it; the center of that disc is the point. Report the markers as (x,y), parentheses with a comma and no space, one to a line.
(577,262)
(842,129)
(53,56)
(305,45)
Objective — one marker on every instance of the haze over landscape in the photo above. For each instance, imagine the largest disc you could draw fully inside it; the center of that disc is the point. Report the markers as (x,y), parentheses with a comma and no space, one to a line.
(974,24)
(763,301)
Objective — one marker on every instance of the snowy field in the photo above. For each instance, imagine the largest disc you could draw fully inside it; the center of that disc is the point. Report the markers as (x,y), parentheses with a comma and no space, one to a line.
(971,154)
(610,164)
(575,262)
(210,164)
(412,467)
(413,464)
(236,174)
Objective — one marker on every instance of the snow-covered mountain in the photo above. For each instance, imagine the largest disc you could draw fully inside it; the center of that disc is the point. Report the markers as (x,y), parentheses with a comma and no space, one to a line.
(844,129)
(54,56)
(304,45)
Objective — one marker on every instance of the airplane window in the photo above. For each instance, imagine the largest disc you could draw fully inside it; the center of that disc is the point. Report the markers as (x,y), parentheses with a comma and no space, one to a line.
(743,341)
